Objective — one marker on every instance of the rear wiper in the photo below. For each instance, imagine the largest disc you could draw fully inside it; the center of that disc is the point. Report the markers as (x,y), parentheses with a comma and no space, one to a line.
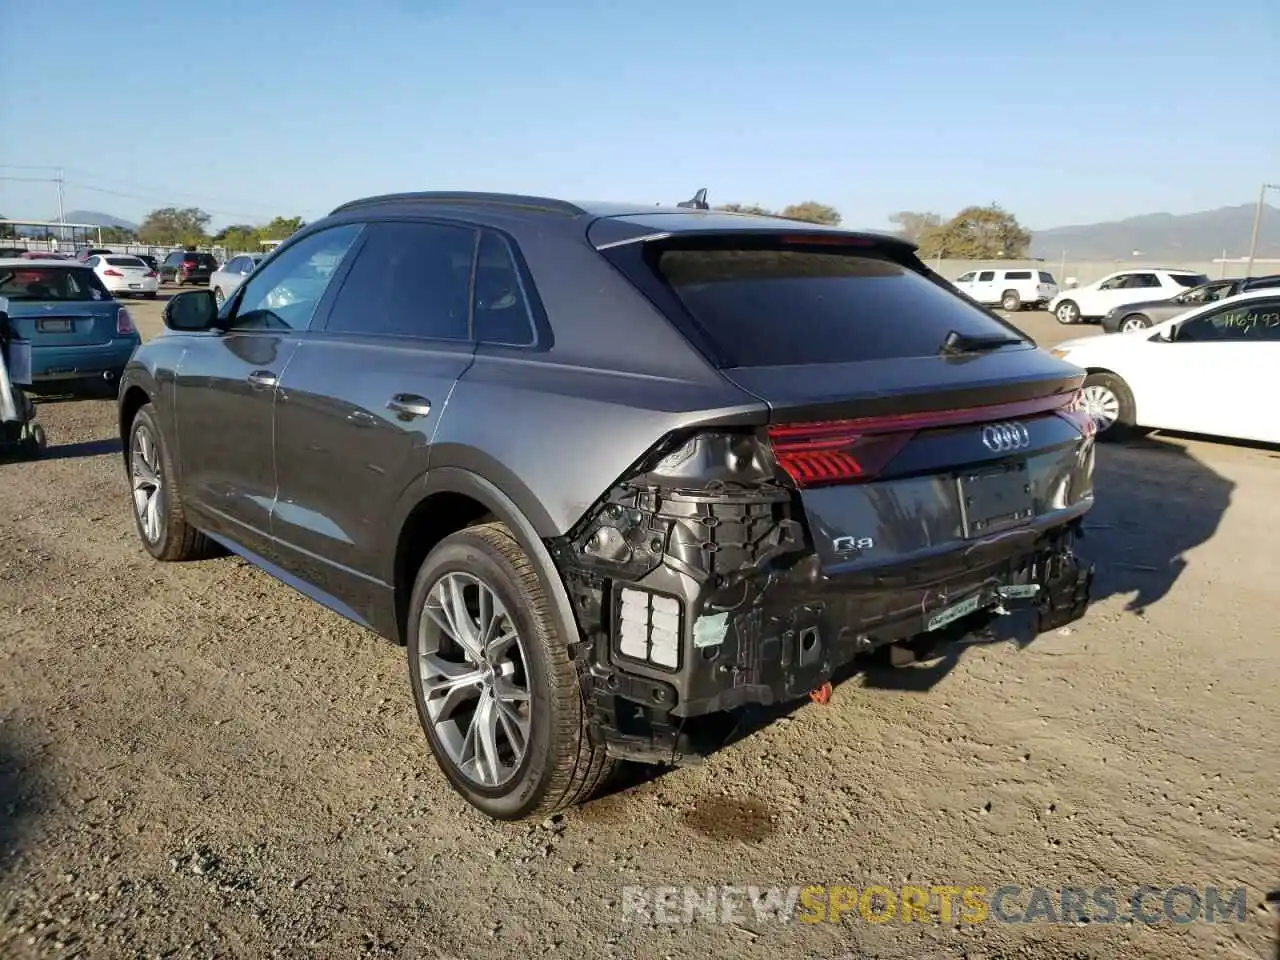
(964,343)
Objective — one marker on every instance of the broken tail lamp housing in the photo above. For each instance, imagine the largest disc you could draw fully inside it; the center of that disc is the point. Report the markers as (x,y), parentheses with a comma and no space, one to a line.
(649,627)
(857,450)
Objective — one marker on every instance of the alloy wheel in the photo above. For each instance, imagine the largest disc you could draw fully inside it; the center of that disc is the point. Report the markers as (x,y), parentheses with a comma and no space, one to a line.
(1067,313)
(1102,405)
(148,483)
(1133,324)
(473,680)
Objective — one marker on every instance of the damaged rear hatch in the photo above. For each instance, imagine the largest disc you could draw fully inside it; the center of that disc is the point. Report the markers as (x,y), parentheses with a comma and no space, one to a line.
(912,422)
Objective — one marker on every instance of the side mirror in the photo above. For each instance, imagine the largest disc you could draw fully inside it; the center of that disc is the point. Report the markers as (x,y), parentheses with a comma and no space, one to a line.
(191,311)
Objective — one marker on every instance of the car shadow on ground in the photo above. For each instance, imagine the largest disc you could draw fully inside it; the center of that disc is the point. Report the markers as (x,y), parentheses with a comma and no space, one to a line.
(20,802)
(1155,502)
(87,448)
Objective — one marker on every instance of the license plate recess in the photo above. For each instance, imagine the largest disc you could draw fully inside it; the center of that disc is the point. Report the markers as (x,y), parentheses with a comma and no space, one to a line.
(995,499)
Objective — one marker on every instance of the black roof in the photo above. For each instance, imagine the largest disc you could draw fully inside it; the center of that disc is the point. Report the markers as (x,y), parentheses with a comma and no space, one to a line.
(630,221)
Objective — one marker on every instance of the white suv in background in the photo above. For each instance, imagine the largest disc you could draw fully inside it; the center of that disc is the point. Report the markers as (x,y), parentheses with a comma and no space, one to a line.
(1011,289)
(1099,298)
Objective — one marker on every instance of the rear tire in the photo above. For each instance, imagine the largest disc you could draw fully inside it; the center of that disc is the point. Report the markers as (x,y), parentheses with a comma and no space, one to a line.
(1067,312)
(1109,401)
(1010,302)
(546,760)
(157,505)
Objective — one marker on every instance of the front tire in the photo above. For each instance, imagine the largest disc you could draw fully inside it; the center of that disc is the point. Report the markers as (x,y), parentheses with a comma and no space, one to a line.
(496,689)
(1135,322)
(1010,302)
(157,505)
(1109,401)
(1067,312)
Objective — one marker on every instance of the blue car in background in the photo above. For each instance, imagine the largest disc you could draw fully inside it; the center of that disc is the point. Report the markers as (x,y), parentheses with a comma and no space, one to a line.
(80,335)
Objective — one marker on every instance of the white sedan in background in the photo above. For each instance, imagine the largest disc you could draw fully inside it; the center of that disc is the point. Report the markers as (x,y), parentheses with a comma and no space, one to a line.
(1213,370)
(125,275)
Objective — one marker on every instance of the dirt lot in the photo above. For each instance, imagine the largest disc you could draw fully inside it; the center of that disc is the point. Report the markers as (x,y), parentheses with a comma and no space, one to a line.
(195,761)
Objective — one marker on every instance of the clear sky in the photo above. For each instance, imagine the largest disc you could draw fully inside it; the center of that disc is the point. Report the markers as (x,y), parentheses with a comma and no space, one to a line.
(1063,113)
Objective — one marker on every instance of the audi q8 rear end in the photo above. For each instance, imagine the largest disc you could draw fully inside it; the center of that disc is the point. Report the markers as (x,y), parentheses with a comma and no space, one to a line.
(615,474)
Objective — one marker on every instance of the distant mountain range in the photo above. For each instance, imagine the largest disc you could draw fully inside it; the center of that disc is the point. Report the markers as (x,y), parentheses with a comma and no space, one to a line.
(96,218)
(1164,236)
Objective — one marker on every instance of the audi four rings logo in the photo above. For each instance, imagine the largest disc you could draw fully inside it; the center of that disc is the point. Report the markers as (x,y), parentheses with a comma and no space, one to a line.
(1003,437)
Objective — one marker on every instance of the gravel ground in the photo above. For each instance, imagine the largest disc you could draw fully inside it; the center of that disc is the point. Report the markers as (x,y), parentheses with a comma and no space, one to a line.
(197,762)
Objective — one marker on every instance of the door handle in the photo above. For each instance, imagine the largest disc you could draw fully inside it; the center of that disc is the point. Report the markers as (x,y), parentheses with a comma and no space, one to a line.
(263,378)
(409,405)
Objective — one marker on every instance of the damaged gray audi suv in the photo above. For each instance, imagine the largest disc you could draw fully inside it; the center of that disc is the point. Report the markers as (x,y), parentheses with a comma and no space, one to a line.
(614,475)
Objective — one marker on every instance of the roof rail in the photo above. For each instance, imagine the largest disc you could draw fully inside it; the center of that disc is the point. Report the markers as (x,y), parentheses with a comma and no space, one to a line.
(463,197)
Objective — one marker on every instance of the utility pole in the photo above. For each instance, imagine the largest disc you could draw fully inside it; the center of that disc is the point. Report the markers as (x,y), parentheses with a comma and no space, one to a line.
(1257,225)
(61,218)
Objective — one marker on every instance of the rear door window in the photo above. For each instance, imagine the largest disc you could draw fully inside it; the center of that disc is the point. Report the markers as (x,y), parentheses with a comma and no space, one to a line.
(768,305)
(1018,275)
(1188,279)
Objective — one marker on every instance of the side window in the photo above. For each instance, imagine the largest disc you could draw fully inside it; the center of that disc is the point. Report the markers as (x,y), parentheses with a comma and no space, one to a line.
(966,277)
(91,262)
(986,276)
(501,309)
(1018,275)
(1118,282)
(1259,320)
(1046,277)
(1144,280)
(409,280)
(285,294)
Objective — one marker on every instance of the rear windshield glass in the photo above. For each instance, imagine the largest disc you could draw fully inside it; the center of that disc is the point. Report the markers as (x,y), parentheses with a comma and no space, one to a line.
(1190,279)
(204,259)
(51,283)
(125,262)
(760,307)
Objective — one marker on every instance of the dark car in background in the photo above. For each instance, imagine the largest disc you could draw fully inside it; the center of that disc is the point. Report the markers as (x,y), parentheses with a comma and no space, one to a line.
(149,260)
(187,266)
(614,474)
(1131,317)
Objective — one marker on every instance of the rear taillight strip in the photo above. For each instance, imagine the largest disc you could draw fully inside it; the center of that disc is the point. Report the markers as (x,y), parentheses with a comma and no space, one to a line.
(819,430)
(859,449)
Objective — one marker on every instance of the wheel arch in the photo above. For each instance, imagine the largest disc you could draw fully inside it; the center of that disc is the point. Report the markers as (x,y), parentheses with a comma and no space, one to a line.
(132,399)
(452,499)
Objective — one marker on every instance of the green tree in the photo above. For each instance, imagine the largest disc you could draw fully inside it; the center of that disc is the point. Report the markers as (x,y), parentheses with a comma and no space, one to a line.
(913,226)
(7,231)
(812,212)
(281,228)
(752,208)
(239,237)
(117,235)
(978,233)
(185,225)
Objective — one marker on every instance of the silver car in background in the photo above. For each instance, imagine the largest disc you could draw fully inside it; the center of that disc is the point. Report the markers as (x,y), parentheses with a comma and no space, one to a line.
(224,281)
